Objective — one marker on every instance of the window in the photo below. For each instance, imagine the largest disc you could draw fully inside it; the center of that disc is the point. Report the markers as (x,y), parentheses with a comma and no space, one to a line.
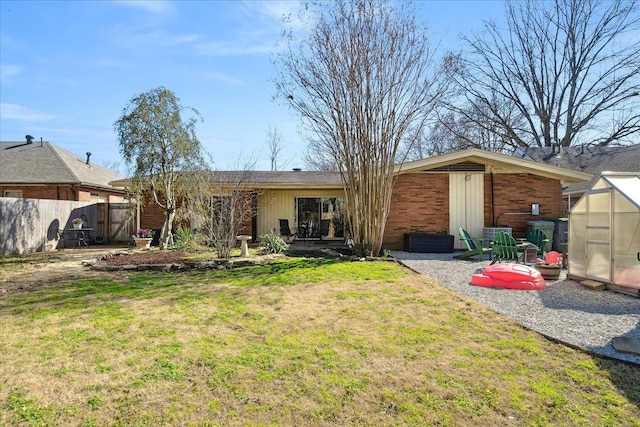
(320,217)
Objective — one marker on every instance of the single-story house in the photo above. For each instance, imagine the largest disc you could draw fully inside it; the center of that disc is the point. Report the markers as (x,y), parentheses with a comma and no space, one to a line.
(42,170)
(473,188)
(585,158)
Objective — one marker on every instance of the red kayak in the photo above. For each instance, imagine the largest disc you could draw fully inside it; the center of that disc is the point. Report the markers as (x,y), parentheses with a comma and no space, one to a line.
(510,276)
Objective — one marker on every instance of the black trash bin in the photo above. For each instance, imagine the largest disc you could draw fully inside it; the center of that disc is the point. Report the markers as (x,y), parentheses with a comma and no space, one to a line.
(560,233)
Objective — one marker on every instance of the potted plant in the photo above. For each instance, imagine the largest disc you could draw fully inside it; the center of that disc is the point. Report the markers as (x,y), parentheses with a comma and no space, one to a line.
(143,238)
(77,223)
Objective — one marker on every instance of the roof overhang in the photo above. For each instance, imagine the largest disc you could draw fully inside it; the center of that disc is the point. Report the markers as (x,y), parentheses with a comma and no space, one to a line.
(495,163)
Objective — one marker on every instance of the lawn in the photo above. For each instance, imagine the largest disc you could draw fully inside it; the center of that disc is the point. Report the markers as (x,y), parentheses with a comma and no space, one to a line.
(297,342)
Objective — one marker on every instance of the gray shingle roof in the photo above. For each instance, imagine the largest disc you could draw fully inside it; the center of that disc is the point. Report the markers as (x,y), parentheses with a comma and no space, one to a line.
(280,179)
(46,163)
(591,159)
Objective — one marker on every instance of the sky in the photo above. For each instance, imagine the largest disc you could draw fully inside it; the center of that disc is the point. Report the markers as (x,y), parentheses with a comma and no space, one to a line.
(69,68)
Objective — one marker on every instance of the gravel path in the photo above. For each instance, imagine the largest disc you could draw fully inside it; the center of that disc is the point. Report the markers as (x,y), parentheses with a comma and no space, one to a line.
(565,311)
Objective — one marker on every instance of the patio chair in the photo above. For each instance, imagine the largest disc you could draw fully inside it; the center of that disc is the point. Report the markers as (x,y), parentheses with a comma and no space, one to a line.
(538,238)
(473,248)
(505,248)
(324,228)
(285,231)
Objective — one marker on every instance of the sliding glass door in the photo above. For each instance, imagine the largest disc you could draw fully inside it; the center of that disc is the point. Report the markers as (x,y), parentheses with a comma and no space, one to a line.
(319,217)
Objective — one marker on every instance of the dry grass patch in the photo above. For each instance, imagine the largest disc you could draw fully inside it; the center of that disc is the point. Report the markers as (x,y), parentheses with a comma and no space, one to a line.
(299,342)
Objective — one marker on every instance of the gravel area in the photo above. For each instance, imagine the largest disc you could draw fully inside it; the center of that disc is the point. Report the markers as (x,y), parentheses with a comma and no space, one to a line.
(564,311)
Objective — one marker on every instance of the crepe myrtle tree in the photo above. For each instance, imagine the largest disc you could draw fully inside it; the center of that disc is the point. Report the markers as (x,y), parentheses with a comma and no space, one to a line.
(363,79)
(160,147)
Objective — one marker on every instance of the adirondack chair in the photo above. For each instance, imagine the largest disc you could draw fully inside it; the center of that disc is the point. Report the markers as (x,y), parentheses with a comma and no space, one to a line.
(473,248)
(538,238)
(505,248)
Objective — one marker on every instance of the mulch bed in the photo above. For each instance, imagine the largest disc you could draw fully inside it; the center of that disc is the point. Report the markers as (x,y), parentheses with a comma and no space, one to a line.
(149,257)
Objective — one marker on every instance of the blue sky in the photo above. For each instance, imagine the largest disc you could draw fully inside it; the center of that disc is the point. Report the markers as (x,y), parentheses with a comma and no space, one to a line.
(68,68)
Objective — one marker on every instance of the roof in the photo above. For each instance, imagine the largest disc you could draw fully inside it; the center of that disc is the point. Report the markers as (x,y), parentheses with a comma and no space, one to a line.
(487,161)
(627,184)
(591,159)
(493,162)
(272,179)
(47,164)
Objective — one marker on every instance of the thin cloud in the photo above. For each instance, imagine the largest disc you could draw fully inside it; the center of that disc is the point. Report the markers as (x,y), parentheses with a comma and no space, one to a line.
(7,71)
(111,63)
(158,7)
(234,48)
(18,112)
(275,10)
(223,78)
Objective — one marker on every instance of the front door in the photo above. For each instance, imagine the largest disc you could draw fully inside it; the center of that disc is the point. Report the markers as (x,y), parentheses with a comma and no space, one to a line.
(466,205)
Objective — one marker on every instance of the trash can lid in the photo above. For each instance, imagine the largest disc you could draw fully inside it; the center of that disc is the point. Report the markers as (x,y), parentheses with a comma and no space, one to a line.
(541,222)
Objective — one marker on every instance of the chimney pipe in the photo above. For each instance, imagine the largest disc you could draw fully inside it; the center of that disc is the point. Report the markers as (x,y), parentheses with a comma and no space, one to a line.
(88,155)
(40,141)
(29,139)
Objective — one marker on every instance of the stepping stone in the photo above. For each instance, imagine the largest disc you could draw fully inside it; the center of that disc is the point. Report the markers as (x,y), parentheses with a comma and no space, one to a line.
(627,344)
(593,285)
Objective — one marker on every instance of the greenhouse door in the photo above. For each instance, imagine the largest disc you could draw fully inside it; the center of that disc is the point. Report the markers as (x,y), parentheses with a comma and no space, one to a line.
(598,235)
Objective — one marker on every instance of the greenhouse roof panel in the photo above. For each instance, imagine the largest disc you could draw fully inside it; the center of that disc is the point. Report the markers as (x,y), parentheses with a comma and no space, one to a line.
(627,184)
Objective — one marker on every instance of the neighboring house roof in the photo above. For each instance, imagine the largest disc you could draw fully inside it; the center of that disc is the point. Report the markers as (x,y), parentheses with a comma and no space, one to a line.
(472,159)
(591,159)
(47,164)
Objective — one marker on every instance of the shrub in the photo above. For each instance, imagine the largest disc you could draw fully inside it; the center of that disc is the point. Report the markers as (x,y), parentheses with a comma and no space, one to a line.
(184,239)
(273,244)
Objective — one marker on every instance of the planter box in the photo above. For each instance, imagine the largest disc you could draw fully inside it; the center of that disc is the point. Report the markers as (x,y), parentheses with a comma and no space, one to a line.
(428,243)
(549,272)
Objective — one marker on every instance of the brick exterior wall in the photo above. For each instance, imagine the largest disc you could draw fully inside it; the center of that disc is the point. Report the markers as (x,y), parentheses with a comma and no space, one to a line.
(420,203)
(514,193)
(60,192)
(152,216)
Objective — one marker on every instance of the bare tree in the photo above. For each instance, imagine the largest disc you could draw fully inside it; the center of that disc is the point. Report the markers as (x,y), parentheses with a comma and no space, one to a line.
(161,149)
(222,204)
(569,70)
(275,142)
(361,80)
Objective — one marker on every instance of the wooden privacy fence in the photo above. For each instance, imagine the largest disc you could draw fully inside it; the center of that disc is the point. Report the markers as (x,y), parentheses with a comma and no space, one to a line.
(33,225)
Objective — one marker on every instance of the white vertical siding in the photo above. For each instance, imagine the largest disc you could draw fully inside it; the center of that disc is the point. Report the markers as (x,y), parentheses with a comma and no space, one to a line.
(280,204)
(466,205)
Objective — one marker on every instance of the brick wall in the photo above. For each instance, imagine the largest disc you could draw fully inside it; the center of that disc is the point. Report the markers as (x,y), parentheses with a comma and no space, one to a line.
(514,193)
(419,204)
(59,192)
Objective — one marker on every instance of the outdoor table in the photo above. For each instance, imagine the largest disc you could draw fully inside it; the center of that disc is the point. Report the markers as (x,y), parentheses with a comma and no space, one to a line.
(80,235)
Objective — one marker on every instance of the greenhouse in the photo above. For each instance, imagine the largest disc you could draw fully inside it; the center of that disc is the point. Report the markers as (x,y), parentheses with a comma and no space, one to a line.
(604,232)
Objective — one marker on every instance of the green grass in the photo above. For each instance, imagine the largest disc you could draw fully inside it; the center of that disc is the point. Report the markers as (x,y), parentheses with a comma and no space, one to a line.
(297,342)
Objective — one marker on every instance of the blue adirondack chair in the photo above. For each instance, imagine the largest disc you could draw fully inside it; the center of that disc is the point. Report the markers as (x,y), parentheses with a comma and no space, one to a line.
(473,248)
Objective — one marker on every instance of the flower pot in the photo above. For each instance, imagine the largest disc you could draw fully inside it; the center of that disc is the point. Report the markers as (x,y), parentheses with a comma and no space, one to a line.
(77,225)
(549,272)
(143,242)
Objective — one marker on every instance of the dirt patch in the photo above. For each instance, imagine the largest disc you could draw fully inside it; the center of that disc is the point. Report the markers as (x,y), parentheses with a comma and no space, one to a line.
(42,269)
(149,257)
